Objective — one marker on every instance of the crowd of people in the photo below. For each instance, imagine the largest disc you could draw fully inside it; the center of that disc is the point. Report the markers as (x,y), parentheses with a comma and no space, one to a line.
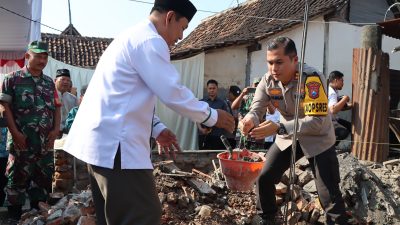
(110,130)
(35,109)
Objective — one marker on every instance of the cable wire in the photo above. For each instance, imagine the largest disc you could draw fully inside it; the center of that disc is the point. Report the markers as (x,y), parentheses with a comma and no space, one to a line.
(35,21)
(267,18)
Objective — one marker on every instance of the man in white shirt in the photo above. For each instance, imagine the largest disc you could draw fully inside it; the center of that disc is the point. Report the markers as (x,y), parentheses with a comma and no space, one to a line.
(113,126)
(68,100)
(338,103)
(271,115)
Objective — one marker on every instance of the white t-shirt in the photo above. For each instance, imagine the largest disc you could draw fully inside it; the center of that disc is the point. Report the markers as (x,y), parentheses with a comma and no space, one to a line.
(332,99)
(274,118)
(119,102)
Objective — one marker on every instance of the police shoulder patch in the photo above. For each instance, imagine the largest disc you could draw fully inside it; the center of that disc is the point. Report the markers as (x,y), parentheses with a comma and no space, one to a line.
(316,100)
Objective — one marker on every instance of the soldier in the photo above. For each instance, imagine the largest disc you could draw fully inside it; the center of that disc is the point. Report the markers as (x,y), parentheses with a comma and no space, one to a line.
(279,87)
(32,109)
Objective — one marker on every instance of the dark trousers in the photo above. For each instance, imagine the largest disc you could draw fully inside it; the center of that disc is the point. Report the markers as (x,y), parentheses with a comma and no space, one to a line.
(342,130)
(124,197)
(3,179)
(325,168)
(210,142)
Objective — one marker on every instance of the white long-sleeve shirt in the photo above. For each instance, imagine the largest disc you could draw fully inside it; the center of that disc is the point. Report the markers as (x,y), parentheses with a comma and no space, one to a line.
(119,103)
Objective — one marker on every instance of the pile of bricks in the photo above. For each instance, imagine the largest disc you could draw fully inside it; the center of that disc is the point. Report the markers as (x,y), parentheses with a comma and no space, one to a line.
(65,179)
(69,210)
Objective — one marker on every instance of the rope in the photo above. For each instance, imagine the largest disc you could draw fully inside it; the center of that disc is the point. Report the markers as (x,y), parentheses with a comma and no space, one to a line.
(370,142)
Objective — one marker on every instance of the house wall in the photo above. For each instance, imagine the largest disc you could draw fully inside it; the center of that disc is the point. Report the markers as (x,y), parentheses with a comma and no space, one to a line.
(227,66)
(340,40)
(314,47)
(340,50)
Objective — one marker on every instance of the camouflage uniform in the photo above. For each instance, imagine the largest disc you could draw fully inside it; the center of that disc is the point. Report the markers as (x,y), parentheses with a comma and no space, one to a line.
(32,102)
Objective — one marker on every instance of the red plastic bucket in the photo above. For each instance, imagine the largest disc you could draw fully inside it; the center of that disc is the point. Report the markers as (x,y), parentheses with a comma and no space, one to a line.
(240,175)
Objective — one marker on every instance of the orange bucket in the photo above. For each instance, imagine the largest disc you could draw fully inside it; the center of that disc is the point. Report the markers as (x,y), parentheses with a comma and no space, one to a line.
(240,175)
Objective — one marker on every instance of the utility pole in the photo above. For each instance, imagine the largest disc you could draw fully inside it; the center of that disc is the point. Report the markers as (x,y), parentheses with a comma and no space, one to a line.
(70,19)
(71,33)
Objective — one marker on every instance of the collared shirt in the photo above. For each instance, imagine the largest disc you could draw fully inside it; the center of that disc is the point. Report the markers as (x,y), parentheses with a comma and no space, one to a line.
(119,103)
(33,101)
(332,100)
(217,103)
(311,129)
(68,101)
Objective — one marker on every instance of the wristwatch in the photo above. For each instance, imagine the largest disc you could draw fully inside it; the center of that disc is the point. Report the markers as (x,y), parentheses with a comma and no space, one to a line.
(281,130)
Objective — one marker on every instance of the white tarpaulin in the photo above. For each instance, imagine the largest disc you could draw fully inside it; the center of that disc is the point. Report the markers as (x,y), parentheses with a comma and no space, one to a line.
(16,31)
(79,76)
(192,76)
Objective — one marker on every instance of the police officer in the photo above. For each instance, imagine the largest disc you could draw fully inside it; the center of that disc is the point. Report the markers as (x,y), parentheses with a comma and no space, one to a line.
(279,87)
(32,109)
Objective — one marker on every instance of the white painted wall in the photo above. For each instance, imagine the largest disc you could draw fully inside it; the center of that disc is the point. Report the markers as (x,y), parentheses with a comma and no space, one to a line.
(227,66)
(314,47)
(342,39)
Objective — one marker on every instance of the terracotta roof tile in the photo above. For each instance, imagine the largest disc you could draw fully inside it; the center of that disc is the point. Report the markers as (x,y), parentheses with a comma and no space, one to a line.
(249,22)
(86,50)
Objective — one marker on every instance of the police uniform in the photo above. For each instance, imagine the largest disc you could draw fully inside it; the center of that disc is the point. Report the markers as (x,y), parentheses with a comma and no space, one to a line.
(33,101)
(315,139)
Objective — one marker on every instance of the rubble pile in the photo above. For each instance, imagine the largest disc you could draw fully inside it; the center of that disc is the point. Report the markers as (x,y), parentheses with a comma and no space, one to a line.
(199,198)
(371,192)
(70,209)
(208,201)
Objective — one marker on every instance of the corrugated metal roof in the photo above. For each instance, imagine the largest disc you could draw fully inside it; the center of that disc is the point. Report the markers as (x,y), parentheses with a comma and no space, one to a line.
(391,28)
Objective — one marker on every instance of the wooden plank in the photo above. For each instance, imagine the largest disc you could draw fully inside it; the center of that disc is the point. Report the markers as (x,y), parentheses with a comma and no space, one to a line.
(195,183)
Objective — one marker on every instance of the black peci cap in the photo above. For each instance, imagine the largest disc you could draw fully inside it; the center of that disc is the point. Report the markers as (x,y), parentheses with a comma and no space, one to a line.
(63,72)
(184,7)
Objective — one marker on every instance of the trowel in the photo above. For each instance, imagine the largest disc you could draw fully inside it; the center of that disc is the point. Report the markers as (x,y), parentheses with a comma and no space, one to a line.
(227,146)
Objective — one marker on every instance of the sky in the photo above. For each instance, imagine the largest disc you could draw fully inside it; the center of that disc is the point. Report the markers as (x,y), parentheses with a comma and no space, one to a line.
(106,18)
